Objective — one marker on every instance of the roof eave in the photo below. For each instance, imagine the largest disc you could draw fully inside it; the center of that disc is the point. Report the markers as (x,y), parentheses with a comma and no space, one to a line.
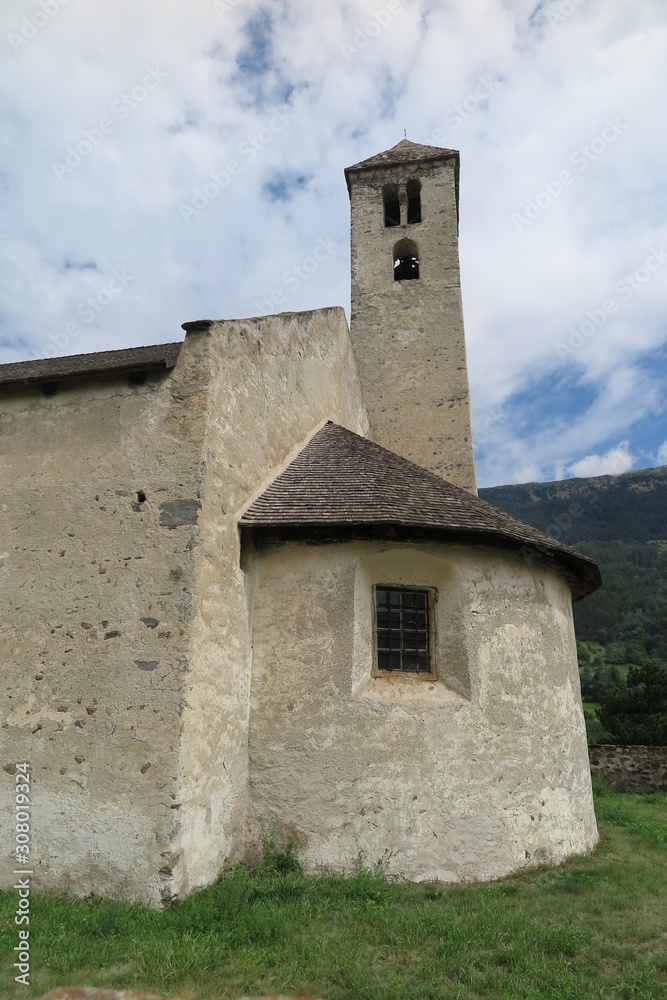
(372,164)
(581,573)
(94,373)
(69,368)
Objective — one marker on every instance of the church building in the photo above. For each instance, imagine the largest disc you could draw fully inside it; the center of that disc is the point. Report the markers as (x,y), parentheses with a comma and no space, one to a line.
(247,579)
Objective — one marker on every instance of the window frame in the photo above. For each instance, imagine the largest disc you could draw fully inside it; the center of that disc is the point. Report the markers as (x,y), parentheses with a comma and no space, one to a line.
(432,674)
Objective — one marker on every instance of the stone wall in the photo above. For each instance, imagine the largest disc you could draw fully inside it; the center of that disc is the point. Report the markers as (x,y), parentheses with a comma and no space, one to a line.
(100,491)
(125,646)
(272,382)
(469,777)
(631,768)
(408,336)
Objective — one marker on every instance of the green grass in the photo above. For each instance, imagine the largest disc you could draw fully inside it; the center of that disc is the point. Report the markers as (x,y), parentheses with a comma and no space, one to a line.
(594,928)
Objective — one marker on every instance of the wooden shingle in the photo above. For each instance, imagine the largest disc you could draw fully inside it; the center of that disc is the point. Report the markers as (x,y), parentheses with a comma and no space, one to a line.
(342,483)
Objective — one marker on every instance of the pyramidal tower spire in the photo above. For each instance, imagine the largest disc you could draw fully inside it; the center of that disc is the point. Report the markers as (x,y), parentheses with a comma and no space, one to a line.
(407,316)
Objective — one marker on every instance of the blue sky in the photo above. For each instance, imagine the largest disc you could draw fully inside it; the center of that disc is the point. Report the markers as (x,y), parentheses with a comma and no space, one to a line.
(163,162)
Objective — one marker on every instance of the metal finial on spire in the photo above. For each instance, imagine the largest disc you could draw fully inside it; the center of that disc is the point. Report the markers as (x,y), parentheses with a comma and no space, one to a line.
(405,133)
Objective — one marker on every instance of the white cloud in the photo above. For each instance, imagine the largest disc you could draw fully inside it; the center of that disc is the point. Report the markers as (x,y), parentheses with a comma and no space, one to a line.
(661,457)
(543,433)
(555,84)
(616,461)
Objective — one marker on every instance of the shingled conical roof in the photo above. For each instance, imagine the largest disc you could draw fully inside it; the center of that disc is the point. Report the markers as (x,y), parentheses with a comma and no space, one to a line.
(342,481)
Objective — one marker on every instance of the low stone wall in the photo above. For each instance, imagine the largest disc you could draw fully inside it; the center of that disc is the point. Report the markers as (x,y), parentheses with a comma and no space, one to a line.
(631,768)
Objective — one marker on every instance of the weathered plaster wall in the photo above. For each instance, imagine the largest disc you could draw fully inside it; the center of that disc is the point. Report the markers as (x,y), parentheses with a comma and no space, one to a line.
(273,381)
(468,778)
(408,336)
(98,601)
(125,646)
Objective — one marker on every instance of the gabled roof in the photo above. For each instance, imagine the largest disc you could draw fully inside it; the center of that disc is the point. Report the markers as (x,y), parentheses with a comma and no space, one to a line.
(53,369)
(342,482)
(404,151)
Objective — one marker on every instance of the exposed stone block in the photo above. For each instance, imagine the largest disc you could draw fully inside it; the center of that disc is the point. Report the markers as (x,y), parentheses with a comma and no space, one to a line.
(176,512)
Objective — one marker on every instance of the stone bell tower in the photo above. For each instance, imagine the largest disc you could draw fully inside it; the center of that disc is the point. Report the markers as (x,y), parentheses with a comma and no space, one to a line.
(407,317)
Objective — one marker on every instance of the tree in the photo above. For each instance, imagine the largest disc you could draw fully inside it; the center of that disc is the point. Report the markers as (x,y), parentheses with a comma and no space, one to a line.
(587,681)
(637,713)
(615,676)
(583,653)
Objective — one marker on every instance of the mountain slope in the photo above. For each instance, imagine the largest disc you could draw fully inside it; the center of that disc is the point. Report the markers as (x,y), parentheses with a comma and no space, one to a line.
(621,521)
(629,508)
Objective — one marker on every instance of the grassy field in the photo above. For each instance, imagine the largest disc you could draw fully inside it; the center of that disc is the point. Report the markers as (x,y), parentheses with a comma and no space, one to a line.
(595,927)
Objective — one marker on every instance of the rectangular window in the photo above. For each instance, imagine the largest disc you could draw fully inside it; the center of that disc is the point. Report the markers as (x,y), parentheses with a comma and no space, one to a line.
(403,629)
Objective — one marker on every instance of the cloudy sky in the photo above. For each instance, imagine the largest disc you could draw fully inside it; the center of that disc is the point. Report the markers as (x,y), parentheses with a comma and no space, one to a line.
(165,161)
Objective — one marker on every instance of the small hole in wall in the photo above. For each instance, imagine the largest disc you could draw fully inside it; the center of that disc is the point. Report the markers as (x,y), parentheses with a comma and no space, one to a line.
(50,388)
(141,496)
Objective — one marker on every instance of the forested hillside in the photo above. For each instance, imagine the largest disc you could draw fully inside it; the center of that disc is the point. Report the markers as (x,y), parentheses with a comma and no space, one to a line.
(627,508)
(621,521)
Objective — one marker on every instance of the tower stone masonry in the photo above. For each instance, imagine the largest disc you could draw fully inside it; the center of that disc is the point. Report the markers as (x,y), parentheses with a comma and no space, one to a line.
(407,320)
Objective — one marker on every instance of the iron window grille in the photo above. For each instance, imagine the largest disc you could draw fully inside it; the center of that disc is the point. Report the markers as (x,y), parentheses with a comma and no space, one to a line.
(404,629)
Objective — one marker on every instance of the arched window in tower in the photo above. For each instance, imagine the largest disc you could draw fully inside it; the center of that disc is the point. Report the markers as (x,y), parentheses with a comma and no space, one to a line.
(406,261)
(414,201)
(392,208)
